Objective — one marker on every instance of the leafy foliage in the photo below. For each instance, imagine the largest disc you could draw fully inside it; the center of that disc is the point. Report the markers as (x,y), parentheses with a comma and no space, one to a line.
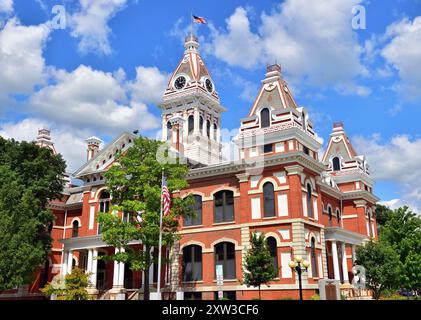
(382,266)
(135,186)
(74,288)
(258,267)
(30,177)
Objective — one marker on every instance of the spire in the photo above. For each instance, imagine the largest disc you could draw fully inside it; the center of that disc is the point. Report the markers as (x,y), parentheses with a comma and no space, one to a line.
(191,42)
(44,139)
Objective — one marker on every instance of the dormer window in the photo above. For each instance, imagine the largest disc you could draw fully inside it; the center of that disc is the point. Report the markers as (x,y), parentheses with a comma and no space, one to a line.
(336,164)
(265,118)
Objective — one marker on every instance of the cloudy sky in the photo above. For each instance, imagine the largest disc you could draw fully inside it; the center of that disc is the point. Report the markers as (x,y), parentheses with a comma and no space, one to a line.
(103,68)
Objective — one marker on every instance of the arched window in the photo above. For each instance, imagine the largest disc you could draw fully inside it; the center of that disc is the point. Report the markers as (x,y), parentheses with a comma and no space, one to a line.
(309,204)
(197,220)
(169,130)
(264,118)
(225,256)
(201,124)
(329,210)
(192,263)
(273,249)
(224,206)
(208,127)
(104,202)
(75,229)
(338,215)
(313,258)
(369,223)
(191,124)
(304,120)
(269,200)
(336,163)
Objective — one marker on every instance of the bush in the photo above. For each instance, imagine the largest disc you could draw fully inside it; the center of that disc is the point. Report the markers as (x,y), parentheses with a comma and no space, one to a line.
(315,297)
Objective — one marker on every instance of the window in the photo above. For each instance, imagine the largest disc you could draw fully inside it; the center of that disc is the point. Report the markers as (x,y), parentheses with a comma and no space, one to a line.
(208,126)
(197,220)
(126,216)
(264,118)
(192,263)
(104,202)
(192,296)
(313,258)
(225,256)
(306,150)
(338,215)
(269,200)
(267,148)
(191,124)
(169,130)
(329,210)
(224,206)
(309,204)
(304,120)
(75,229)
(272,246)
(336,163)
(229,295)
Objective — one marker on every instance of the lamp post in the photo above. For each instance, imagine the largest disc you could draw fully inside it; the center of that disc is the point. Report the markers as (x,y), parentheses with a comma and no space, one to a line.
(299,265)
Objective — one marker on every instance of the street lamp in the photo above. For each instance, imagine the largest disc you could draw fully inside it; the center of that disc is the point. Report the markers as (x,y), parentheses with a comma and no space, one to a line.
(299,265)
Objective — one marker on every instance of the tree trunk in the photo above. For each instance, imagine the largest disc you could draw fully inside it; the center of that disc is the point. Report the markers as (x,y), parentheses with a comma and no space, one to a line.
(260,298)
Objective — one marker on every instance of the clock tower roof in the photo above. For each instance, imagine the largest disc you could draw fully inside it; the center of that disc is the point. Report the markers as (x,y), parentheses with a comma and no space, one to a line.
(191,76)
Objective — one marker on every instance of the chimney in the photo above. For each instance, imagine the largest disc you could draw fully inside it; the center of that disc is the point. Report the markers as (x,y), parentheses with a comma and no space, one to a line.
(93,147)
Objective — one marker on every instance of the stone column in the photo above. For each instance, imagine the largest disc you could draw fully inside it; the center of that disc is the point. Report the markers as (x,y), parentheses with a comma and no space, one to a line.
(299,247)
(116,270)
(69,262)
(196,121)
(121,272)
(64,265)
(353,253)
(335,261)
(344,263)
(164,128)
(212,133)
(94,267)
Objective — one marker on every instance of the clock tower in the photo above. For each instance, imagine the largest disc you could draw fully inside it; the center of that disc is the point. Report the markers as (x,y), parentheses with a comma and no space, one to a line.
(191,111)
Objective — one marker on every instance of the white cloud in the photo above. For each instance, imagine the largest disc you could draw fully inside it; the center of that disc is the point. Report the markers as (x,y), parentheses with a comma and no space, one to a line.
(88,98)
(403,52)
(397,160)
(313,40)
(238,46)
(70,143)
(90,24)
(21,62)
(6,6)
(149,85)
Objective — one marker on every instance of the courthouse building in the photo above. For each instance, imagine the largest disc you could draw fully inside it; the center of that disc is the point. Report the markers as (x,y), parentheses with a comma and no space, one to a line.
(320,208)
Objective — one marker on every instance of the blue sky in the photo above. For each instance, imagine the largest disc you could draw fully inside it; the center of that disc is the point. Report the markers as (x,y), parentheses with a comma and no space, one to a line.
(105,71)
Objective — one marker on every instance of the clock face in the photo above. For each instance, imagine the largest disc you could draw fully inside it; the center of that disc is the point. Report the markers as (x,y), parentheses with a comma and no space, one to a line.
(180,82)
(209,85)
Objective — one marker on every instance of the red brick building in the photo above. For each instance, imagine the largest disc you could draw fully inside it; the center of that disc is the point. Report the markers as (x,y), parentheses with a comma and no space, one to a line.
(318,208)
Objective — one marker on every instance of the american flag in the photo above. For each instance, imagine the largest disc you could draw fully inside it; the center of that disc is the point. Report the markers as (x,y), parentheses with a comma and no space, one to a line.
(165,197)
(198,19)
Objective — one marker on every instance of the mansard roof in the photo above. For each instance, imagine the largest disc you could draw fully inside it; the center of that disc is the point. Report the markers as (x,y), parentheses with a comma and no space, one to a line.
(273,92)
(339,144)
(104,158)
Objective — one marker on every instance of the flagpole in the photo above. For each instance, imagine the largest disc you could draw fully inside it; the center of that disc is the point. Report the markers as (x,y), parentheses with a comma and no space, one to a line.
(191,24)
(158,290)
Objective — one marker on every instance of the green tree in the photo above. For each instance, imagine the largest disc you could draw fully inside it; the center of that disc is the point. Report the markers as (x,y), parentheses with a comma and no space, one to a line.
(75,284)
(382,215)
(402,231)
(30,177)
(258,267)
(135,186)
(382,266)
